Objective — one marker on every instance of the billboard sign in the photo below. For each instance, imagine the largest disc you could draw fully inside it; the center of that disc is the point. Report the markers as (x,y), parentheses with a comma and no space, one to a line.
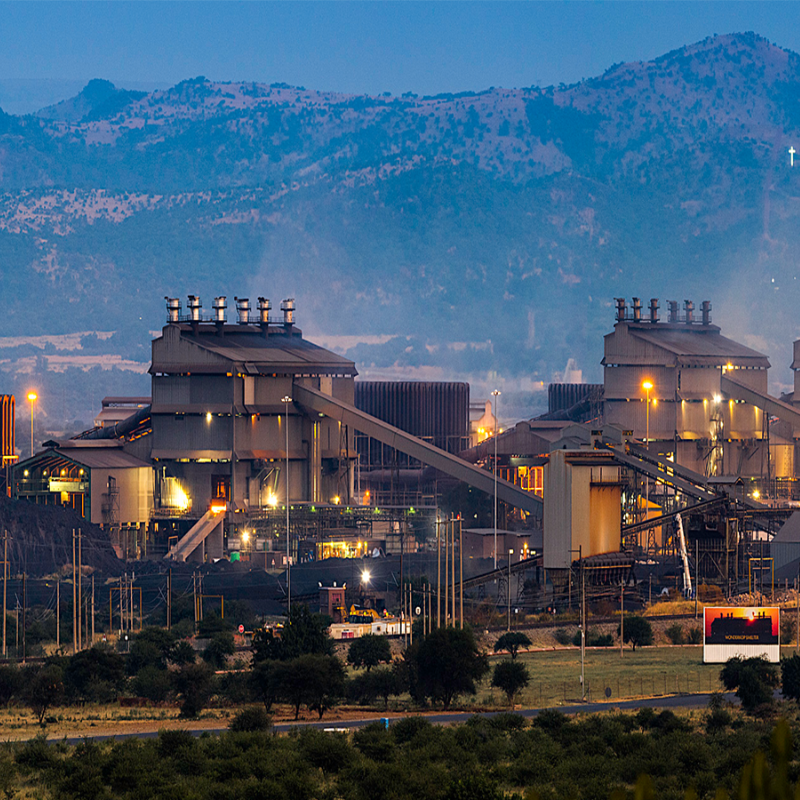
(741,631)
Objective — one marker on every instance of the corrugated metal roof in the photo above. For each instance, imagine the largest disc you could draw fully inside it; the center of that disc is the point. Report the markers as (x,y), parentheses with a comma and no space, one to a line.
(790,530)
(254,353)
(101,457)
(705,344)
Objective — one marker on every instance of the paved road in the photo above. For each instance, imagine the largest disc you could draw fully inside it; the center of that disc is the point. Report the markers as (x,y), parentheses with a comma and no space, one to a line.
(670,701)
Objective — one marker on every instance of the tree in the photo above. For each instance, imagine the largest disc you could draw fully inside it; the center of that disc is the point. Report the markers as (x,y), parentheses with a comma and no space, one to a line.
(195,683)
(264,682)
(219,648)
(638,631)
(448,664)
(304,633)
(10,683)
(369,651)
(790,677)
(312,679)
(510,677)
(182,653)
(753,679)
(511,643)
(150,648)
(45,689)
(95,675)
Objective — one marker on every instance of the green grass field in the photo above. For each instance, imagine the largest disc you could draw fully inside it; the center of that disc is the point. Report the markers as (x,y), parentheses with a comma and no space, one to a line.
(555,675)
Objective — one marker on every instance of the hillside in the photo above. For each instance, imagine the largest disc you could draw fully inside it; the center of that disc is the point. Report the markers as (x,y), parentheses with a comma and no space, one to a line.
(479,236)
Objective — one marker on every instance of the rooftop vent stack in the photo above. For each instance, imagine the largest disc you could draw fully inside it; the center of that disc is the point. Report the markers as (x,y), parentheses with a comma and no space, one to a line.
(220,307)
(194,308)
(654,309)
(673,310)
(263,313)
(243,309)
(287,306)
(621,312)
(173,309)
(688,307)
(705,308)
(637,309)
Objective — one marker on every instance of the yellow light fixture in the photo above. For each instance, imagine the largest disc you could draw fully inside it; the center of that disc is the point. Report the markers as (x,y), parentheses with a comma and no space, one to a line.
(647,385)
(272,500)
(32,396)
(208,416)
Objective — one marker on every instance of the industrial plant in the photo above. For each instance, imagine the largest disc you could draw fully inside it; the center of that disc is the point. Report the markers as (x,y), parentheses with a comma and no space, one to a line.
(260,446)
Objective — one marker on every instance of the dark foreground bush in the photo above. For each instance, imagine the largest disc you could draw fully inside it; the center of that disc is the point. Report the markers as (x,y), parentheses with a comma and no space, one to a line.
(250,720)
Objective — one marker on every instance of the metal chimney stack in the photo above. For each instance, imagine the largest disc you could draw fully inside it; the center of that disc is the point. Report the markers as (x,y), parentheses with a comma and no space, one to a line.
(194,307)
(287,306)
(673,310)
(621,308)
(654,309)
(220,307)
(173,309)
(705,308)
(688,307)
(263,309)
(243,309)
(637,309)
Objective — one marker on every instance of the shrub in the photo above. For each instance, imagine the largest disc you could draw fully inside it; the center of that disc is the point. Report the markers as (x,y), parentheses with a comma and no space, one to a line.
(511,643)
(153,683)
(788,628)
(753,679)
(562,636)
(182,653)
(406,729)
(369,651)
(250,720)
(695,635)
(219,648)
(510,677)
(675,633)
(637,630)
(593,639)
(790,677)
(10,683)
(195,683)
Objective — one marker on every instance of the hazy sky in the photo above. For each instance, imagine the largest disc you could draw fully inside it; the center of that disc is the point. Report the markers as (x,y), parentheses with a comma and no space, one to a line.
(363,47)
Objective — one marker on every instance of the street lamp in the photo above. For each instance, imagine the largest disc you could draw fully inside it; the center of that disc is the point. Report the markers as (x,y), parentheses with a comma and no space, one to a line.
(32,397)
(495,395)
(286,400)
(510,553)
(647,385)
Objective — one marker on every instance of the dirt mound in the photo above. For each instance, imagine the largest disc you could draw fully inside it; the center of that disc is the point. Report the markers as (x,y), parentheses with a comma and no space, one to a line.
(40,539)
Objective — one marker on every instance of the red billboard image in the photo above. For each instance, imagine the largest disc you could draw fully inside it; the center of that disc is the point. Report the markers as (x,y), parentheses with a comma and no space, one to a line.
(742,625)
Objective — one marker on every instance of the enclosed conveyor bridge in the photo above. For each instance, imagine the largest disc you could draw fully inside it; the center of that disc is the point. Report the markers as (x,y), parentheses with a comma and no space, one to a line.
(321,403)
(779,409)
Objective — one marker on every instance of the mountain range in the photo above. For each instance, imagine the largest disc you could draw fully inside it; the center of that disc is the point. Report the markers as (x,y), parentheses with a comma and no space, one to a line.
(479,236)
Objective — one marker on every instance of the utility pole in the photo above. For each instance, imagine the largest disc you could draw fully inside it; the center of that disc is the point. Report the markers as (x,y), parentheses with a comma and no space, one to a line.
(461,572)
(58,614)
(446,572)
(194,595)
(439,574)
(696,573)
(24,614)
(508,590)
(621,617)
(495,395)
(453,570)
(169,598)
(74,599)
(80,591)
(583,625)
(92,610)
(5,589)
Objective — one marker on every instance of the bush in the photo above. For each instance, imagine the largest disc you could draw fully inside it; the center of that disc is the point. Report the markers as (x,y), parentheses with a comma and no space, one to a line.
(219,648)
(695,635)
(510,677)
(637,630)
(182,653)
(369,651)
(563,637)
(788,628)
(790,677)
(753,679)
(511,643)
(250,720)
(95,675)
(44,689)
(195,683)
(10,683)
(152,683)
(593,639)
(675,633)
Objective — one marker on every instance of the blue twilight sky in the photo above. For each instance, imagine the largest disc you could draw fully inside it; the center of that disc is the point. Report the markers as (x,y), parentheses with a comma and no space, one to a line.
(358,47)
